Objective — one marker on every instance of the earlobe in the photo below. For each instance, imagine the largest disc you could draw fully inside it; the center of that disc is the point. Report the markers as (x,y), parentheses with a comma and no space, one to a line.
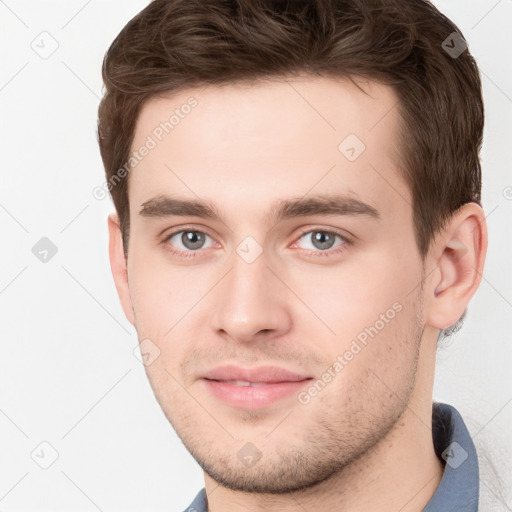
(118,265)
(459,257)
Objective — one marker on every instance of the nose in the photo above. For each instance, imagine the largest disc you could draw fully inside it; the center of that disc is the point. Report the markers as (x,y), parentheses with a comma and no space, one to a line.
(252,303)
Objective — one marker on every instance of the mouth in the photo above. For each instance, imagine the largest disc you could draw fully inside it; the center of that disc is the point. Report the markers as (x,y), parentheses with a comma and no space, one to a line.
(244,383)
(255,388)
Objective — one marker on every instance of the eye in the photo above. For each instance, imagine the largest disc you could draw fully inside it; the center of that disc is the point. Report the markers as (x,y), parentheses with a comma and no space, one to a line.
(322,241)
(187,240)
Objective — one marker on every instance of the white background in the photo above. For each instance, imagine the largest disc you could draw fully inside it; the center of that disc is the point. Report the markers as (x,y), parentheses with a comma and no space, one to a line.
(68,373)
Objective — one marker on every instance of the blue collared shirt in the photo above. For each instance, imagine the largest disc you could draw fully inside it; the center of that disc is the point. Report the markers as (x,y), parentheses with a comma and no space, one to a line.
(459,487)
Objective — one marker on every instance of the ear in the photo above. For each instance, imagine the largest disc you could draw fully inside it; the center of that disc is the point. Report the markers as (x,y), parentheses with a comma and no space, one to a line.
(118,265)
(458,255)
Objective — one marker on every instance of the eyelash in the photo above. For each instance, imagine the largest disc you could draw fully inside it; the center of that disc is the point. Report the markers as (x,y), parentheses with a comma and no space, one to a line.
(327,253)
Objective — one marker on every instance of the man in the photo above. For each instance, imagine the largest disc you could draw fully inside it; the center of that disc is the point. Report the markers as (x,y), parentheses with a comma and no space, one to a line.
(298,220)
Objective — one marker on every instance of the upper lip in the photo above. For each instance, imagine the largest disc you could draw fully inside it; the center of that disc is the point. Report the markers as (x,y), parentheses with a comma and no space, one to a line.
(267,374)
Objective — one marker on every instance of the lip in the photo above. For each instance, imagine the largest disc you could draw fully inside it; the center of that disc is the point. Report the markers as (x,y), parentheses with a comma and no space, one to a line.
(267,374)
(272,383)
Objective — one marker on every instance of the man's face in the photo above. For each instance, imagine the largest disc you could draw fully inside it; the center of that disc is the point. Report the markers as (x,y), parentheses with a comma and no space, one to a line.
(299,292)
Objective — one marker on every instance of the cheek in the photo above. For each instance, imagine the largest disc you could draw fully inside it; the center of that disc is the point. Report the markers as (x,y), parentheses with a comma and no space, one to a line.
(160,295)
(375,368)
(364,292)
(166,303)
(374,311)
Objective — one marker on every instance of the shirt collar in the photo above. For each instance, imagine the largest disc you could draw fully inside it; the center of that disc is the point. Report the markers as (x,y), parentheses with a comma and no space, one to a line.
(459,486)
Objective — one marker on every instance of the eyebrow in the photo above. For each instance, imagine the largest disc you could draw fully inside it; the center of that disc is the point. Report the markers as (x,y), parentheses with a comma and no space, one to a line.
(320,204)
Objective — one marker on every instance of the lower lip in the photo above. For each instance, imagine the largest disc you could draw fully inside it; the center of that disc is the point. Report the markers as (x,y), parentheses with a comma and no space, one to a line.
(253,397)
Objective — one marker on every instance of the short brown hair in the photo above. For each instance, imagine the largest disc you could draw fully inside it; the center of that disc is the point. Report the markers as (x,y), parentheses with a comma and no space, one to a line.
(172,45)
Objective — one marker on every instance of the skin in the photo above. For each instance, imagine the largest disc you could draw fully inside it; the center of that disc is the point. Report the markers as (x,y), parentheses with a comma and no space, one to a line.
(243,147)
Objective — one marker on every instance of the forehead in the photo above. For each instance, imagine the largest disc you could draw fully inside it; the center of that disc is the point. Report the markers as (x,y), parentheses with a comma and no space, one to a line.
(268,139)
